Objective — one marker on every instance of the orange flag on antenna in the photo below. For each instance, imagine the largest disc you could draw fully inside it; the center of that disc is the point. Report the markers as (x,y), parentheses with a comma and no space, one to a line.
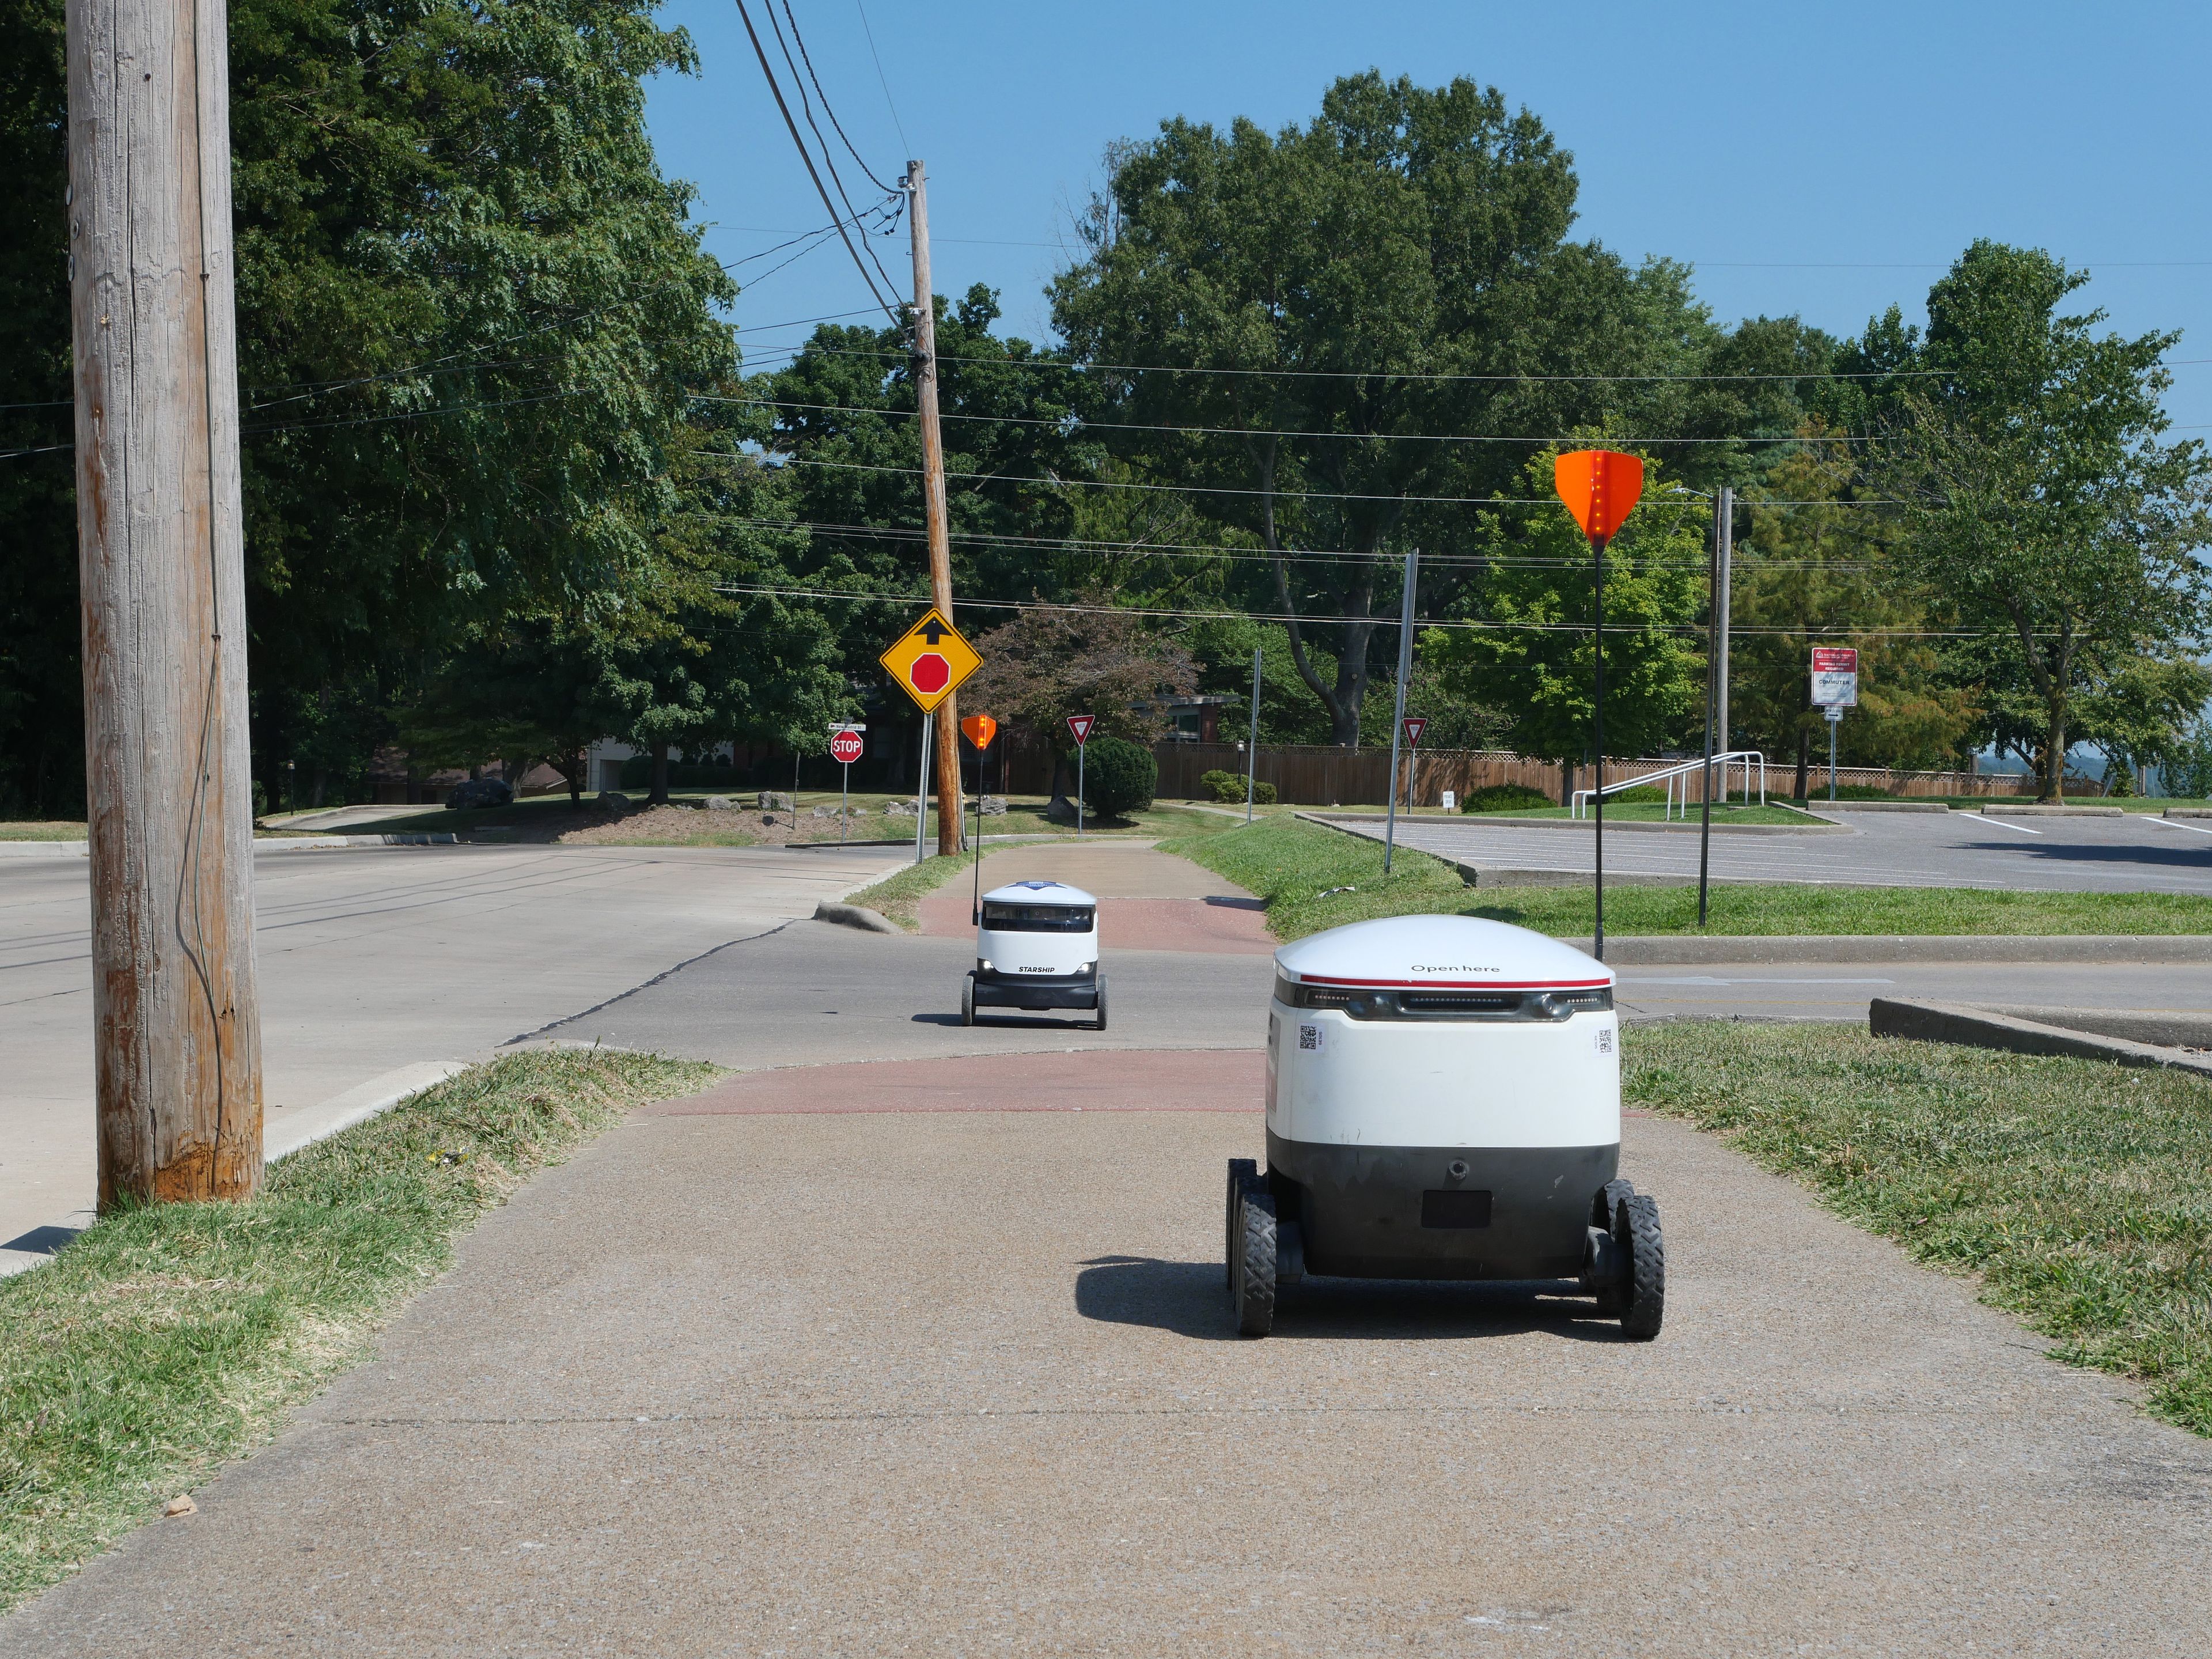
(980,729)
(1600,486)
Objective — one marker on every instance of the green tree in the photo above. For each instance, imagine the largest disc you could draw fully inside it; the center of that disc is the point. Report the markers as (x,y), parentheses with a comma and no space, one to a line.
(41,691)
(1816,569)
(1046,665)
(1528,647)
(1289,286)
(2036,494)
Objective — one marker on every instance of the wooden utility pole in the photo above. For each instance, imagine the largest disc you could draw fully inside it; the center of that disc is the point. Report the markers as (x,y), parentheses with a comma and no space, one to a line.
(176,1030)
(933,495)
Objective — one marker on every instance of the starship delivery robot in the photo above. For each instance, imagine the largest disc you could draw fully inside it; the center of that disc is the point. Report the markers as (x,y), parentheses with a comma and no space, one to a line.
(1036,948)
(1443,1101)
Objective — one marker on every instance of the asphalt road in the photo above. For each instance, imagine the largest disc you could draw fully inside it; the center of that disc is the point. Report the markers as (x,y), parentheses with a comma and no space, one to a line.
(2139,852)
(373,961)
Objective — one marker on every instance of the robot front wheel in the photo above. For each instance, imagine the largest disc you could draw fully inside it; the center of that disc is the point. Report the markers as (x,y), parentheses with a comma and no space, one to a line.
(1252,1246)
(1625,1260)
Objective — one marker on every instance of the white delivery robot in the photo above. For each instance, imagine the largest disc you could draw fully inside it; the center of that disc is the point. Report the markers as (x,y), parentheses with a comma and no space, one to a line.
(1036,948)
(1443,1101)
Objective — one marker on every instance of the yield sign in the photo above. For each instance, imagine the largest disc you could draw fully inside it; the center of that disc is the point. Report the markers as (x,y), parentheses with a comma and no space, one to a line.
(930,660)
(1415,724)
(1081,724)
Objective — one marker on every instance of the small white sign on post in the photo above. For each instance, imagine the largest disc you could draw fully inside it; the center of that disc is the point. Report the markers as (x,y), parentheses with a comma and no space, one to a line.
(1835,677)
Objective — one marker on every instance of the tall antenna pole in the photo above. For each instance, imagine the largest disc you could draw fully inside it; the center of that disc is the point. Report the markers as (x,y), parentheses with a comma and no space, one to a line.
(1252,753)
(176,1026)
(1712,692)
(1398,714)
(932,493)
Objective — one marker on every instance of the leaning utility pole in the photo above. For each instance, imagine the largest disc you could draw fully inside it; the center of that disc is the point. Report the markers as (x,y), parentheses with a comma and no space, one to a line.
(933,495)
(176,1030)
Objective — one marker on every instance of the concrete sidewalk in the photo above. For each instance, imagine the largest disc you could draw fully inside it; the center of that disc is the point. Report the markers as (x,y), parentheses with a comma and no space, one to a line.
(861,1383)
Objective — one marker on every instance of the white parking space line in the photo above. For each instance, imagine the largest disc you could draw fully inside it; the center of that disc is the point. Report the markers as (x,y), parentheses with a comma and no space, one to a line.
(2194,829)
(2001,824)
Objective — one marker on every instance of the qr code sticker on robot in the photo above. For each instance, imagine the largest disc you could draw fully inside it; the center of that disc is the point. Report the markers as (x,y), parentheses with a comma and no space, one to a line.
(1310,1038)
(1604,1039)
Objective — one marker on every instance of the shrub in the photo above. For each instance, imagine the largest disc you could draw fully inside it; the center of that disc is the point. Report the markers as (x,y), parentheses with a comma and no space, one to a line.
(1229,787)
(1504,797)
(1118,777)
(1644,794)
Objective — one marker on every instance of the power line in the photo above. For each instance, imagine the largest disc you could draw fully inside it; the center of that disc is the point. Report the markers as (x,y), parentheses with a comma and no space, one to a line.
(1205,550)
(1078,421)
(807,156)
(1227,490)
(1680,629)
(807,57)
(806,107)
(881,76)
(1409,374)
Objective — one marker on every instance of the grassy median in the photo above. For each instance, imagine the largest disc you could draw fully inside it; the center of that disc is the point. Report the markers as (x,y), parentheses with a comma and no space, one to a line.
(1313,877)
(164,1342)
(2079,1193)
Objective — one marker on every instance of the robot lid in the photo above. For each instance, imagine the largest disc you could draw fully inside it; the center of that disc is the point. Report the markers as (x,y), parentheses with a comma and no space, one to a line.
(1040,893)
(1455,953)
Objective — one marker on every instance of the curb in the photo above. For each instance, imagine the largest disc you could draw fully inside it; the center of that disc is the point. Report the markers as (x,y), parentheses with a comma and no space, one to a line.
(856,915)
(77,849)
(1983,1028)
(299,1128)
(2158,1029)
(2054,812)
(1884,806)
(1655,950)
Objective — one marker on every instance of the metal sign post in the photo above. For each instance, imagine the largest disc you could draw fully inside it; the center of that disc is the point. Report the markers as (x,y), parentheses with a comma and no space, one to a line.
(921,783)
(1080,725)
(1413,726)
(1835,718)
(979,729)
(1405,668)
(846,746)
(1600,488)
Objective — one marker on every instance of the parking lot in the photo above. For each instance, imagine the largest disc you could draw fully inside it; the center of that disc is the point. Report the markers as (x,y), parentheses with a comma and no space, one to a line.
(2139,852)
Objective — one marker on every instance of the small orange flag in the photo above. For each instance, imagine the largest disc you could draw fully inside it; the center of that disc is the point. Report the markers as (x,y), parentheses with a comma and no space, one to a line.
(980,729)
(1600,488)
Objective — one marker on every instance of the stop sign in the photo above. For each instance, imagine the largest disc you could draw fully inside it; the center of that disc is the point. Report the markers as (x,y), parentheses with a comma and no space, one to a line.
(929,673)
(846,746)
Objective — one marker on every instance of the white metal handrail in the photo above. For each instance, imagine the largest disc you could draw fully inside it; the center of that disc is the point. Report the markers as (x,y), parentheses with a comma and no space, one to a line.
(1677,780)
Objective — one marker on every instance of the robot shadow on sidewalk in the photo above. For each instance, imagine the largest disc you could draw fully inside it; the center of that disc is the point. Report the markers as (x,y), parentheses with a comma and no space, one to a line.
(1185,1298)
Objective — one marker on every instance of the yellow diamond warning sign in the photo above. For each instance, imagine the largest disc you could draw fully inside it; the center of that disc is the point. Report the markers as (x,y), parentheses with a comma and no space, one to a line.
(930,660)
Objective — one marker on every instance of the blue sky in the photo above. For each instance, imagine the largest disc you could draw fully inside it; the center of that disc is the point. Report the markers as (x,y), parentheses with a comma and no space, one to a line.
(1824,161)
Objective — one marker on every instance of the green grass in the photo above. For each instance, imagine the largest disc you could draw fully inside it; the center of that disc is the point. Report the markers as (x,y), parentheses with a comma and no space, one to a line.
(2080,1193)
(896,897)
(35,829)
(1293,866)
(166,1340)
